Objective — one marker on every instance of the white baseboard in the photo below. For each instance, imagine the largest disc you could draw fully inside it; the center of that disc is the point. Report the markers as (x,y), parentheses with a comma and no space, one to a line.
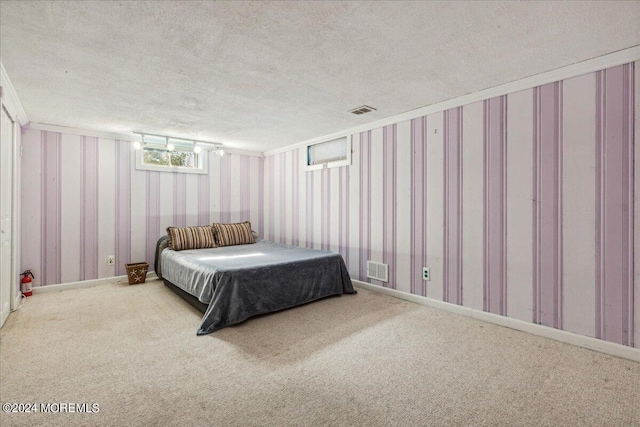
(532,328)
(87,283)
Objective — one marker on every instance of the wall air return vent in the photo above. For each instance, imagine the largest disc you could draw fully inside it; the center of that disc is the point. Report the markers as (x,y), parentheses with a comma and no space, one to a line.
(362,110)
(378,271)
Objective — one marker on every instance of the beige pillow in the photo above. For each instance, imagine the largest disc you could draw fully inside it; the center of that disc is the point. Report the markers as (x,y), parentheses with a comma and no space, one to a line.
(233,234)
(191,238)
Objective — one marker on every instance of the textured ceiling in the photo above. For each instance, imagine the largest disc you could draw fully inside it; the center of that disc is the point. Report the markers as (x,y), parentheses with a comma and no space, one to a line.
(262,75)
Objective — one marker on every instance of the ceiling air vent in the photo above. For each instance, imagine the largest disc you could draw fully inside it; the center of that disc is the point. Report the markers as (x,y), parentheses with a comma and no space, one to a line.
(362,110)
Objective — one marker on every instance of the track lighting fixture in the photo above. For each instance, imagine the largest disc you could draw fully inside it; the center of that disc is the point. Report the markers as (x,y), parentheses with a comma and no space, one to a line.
(156,141)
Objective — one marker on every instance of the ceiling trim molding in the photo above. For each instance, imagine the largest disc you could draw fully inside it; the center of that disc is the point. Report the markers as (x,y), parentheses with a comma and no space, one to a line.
(613,59)
(10,98)
(83,132)
(118,136)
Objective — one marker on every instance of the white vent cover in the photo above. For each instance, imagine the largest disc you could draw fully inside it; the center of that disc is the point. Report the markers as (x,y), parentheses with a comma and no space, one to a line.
(378,271)
(361,110)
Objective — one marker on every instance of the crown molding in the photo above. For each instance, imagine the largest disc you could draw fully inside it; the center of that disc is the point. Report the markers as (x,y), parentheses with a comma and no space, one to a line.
(117,136)
(10,98)
(613,59)
(84,132)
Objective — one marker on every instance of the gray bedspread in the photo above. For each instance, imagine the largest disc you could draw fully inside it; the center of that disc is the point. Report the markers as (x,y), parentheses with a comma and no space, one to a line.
(247,280)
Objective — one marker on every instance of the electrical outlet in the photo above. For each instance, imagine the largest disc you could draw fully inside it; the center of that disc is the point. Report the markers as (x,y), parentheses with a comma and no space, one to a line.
(111,260)
(426,275)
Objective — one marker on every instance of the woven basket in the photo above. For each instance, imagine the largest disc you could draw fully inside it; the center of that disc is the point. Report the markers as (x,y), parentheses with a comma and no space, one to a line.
(137,272)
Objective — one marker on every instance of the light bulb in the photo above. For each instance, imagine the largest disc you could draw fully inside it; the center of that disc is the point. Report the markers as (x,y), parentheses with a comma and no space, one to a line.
(221,152)
(137,145)
(170,147)
(197,149)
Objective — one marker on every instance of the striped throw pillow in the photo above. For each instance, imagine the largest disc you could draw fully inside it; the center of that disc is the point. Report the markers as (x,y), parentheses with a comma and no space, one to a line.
(233,234)
(191,238)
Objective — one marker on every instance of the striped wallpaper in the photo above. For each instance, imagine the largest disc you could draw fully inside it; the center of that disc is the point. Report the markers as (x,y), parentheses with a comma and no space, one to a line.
(83,200)
(521,205)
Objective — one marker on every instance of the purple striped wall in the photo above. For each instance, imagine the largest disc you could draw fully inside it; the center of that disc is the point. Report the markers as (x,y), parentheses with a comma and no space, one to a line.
(89,187)
(613,190)
(547,214)
(179,200)
(309,220)
(295,190)
(495,218)
(418,204)
(389,200)
(124,163)
(261,185)
(614,204)
(320,213)
(204,210)
(138,196)
(152,217)
(343,190)
(269,167)
(365,202)
(50,220)
(245,192)
(325,208)
(136,216)
(283,191)
(452,268)
(322,221)
(225,190)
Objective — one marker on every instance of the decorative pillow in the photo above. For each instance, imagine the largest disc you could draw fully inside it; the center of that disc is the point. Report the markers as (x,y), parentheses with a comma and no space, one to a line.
(191,238)
(233,234)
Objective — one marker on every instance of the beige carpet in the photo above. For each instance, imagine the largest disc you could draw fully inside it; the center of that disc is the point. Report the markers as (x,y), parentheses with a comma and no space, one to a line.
(361,360)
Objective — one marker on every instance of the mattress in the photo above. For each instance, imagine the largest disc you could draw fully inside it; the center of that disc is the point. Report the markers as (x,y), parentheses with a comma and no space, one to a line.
(238,282)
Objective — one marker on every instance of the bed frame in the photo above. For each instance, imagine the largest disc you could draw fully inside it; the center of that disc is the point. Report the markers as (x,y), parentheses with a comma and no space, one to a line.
(200,306)
(233,306)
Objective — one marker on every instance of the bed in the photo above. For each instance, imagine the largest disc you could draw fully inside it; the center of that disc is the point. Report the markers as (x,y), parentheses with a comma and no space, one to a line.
(232,283)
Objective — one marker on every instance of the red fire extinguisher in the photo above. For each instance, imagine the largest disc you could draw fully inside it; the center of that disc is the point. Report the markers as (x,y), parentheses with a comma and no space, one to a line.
(25,283)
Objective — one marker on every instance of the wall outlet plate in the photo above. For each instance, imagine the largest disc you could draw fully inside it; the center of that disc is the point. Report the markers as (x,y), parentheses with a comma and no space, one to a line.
(426,274)
(111,260)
